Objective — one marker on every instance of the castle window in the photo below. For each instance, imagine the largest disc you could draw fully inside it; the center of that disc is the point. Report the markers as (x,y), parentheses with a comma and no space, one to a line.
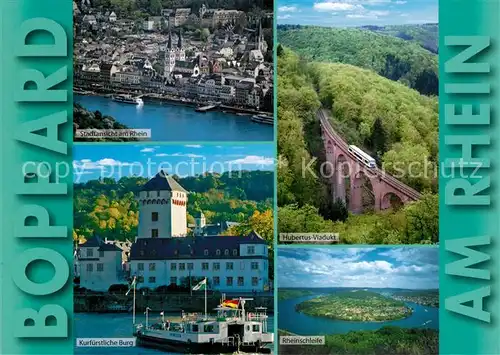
(142,252)
(226,252)
(250,250)
(182,266)
(140,266)
(101,254)
(204,266)
(229,266)
(158,193)
(229,281)
(255,266)
(216,266)
(173,266)
(235,252)
(190,266)
(90,252)
(216,281)
(241,281)
(152,266)
(154,233)
(218,252)
(152,279)
(154,216)
(90,267)
(255,281)
(206,252)
(100,267)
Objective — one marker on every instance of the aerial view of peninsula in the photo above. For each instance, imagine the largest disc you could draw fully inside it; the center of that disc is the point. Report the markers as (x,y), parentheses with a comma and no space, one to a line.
(174,70)
(358,119)
(361,300)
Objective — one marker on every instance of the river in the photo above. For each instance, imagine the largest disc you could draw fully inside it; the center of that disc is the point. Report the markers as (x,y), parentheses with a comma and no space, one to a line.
(299,323)
(170,122)
(95,325)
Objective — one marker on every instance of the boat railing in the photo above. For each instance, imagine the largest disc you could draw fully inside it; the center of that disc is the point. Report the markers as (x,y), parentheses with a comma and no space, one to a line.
(229,341)
(256,316)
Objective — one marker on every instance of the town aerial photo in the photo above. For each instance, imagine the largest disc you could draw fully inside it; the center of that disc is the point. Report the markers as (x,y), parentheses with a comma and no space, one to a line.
(358,108)
(173,247)
(186,70)
(374,301)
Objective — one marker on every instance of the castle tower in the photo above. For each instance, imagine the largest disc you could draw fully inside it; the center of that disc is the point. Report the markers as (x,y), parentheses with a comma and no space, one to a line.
(162,208)
(200,223)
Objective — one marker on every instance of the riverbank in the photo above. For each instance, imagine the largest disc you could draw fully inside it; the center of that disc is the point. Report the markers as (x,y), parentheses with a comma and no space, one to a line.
(361,306)
(171,100)
(100,303)
(386,340)
(178,121)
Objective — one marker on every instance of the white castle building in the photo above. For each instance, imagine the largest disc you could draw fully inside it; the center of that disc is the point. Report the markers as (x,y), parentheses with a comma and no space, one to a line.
(164,254)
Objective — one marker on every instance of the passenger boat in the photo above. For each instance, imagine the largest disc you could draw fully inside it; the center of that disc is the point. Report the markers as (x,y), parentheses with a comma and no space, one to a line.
(263,119)
(115,308)
(231,330)
(128,99)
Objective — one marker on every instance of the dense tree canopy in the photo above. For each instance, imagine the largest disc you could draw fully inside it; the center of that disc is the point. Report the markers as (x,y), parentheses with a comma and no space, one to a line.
(395,124)
(394,58)
(108,207)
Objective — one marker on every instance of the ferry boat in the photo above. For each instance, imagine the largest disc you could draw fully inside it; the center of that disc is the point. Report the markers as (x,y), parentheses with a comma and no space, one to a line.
(116,308)
(128,99)
(231,330)
(263,119)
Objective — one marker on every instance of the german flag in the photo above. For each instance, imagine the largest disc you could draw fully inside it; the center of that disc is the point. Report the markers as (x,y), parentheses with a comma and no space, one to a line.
(231,304)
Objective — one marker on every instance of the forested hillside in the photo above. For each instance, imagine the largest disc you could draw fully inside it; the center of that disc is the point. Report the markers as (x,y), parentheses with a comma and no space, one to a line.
(426,35)
(108,208)
(394,58)
(396,123)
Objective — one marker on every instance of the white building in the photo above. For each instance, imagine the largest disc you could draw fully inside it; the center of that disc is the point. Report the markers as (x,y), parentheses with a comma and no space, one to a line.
(99,265)
(157,258)
(163,254)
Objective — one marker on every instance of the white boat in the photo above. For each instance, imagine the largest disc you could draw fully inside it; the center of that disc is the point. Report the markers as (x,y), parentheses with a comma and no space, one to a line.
(231,330)
(263,119)
(128,99)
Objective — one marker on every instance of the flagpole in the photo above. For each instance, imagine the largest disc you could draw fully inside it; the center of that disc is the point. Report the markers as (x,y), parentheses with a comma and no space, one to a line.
(205,298)
(133,309)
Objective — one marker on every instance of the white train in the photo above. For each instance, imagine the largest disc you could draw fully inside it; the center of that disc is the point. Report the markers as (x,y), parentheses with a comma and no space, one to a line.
(362,156)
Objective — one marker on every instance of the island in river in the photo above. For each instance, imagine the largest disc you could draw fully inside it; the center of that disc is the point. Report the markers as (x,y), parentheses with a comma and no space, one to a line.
(356,305)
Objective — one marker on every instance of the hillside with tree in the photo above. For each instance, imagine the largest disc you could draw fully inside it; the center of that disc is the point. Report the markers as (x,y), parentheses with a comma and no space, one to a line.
(389,120)
(389,56)
(107,207)
(426,35)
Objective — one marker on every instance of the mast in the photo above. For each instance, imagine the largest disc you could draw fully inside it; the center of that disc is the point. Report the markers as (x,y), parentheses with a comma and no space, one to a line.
(206,298)
(133,308)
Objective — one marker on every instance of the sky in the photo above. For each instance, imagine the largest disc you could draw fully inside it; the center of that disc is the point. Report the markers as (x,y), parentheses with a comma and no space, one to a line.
(92,161)
(347,13)
(401,267)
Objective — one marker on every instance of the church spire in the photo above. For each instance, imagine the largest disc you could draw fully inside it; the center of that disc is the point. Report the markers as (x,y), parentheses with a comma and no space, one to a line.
(179,43)
(169,45)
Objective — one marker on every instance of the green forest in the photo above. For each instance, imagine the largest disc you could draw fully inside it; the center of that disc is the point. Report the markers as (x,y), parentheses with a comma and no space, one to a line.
(395,124)
(426,35)
(107,207)
(394,58)
(386,340)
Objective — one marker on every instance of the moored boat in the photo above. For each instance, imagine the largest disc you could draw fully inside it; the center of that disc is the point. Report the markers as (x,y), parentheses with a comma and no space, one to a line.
(263,119)
(128,99)
(232,329)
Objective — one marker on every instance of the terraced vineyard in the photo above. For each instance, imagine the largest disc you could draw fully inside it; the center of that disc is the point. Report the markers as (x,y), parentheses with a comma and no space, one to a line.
(364,306)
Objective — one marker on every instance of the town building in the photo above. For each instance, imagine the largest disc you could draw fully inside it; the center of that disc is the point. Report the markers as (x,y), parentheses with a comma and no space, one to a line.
(163,254)
(100,264)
